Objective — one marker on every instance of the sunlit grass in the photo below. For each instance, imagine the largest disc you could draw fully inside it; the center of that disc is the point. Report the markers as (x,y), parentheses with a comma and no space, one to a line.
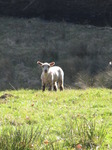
(65,118)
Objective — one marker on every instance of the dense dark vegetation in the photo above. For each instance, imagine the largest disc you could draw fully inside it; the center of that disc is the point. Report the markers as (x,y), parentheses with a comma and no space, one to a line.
(82,51)
(97,12)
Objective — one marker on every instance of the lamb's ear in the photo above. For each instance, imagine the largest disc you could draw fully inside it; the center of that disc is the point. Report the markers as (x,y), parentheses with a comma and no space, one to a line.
(52,64)
(40,63)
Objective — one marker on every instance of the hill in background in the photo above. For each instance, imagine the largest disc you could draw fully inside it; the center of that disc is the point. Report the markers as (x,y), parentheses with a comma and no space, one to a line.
(97,12)
(82,51)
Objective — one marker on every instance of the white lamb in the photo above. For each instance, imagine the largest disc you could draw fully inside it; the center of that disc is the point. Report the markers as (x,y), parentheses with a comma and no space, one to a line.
(51,76)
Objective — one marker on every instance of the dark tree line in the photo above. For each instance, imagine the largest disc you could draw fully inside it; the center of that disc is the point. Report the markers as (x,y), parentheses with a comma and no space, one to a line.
(98,12)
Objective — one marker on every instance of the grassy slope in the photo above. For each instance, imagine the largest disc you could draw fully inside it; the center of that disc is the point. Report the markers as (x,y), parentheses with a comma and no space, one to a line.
(77,48)
(57,111)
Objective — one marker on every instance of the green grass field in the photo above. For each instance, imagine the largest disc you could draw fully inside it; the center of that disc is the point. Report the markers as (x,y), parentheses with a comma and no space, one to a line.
(31,119)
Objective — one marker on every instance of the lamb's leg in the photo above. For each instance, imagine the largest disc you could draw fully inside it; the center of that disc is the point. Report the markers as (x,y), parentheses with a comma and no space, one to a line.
(50,87)
(43,87)
(61,85)
(55,86)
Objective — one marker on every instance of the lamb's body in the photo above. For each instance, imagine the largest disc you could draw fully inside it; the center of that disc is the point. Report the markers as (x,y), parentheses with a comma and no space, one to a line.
(55,74)
(51,76)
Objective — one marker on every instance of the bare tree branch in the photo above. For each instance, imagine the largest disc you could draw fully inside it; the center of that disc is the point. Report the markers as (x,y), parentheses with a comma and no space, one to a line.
(28,5)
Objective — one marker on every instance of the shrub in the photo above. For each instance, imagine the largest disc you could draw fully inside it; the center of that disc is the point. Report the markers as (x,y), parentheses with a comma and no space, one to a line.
(6,73)
(104,79)
(6,68)
(84,80)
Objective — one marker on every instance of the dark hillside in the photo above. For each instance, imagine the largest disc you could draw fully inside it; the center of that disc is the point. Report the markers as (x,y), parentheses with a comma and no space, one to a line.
(82,51)
(97,12)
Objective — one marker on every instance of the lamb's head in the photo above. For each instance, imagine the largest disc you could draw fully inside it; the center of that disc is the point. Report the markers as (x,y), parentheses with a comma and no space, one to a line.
(45,66)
